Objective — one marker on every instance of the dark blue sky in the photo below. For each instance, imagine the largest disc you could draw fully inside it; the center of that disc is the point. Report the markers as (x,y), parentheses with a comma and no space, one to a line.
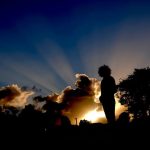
(45,43)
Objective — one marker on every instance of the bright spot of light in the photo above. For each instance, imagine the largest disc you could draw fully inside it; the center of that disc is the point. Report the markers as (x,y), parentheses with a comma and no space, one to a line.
(94,115)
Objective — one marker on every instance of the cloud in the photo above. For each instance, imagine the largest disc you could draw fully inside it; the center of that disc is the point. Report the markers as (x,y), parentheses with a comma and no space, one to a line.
(80,100)
(13,96)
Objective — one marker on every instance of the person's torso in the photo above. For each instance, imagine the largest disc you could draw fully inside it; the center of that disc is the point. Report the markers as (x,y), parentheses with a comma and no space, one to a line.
(108,87)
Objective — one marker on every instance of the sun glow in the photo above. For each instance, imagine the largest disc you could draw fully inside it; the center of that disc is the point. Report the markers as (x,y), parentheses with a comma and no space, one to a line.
(94,115)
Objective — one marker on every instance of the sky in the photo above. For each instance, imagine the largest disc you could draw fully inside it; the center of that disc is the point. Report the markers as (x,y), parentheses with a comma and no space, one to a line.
(46,43)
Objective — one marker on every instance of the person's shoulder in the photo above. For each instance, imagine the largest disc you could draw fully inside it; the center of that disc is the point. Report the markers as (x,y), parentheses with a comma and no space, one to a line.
(111,78)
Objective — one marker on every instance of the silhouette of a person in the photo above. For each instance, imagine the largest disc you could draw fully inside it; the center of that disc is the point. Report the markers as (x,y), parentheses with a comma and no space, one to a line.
(108,89)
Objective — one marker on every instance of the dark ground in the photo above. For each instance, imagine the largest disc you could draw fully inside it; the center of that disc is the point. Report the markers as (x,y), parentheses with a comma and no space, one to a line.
(93,136)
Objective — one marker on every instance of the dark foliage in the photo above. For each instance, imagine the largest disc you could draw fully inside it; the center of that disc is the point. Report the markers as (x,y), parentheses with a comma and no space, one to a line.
(135,92)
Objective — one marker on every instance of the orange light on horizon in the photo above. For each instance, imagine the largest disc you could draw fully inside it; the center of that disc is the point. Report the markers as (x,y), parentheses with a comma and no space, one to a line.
(94,115)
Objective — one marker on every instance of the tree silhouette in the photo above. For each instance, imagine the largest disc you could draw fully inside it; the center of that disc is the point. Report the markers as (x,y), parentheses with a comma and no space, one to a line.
(135,92)
(84,123)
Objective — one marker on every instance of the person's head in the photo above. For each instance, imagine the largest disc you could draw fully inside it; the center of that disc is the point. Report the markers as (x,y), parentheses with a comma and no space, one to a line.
(104,71)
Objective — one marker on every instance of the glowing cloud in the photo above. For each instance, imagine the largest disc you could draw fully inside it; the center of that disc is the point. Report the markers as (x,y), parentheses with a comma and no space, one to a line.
(13,96)
(80,100)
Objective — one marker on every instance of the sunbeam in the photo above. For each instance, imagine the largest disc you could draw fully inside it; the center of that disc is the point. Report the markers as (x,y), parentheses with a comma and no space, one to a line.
(122,52)
(57,60)
(33,71)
